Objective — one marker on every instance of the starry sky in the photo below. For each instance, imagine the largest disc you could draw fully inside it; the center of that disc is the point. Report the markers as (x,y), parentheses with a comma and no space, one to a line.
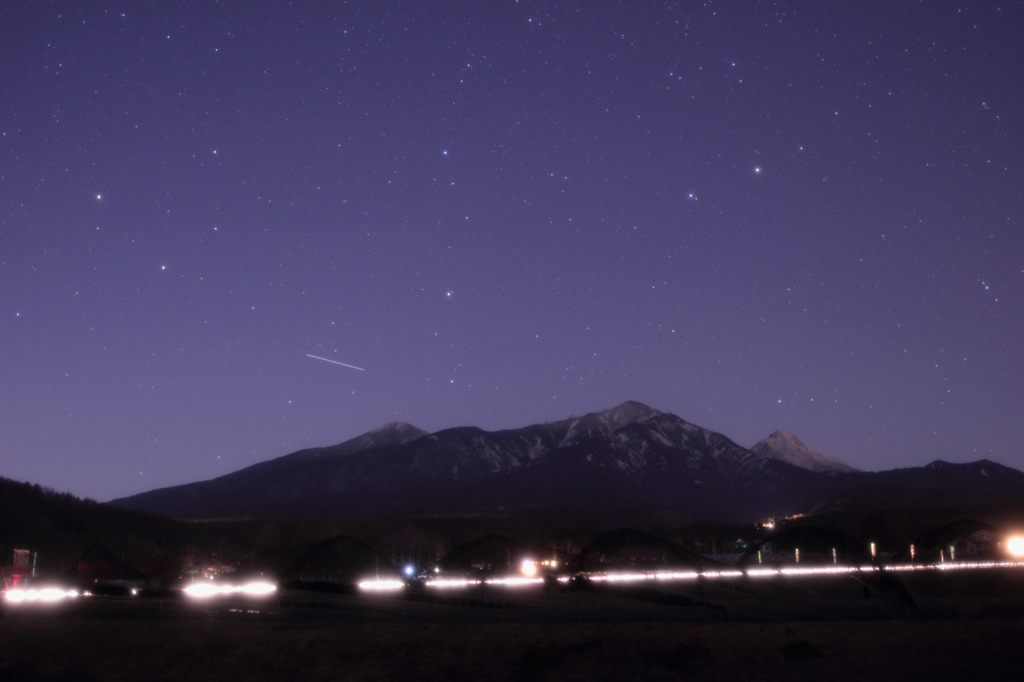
(780,215)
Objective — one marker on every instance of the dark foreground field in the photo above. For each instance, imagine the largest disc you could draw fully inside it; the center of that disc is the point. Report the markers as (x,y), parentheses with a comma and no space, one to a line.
(933,627)
(66,649)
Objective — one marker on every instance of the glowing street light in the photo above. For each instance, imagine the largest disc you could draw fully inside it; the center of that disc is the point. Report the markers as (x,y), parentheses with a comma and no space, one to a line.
(1015,546)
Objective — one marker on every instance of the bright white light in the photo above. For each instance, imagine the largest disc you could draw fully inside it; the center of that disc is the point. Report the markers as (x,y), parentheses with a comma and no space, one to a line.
(45,594)
(622,577)
(1015,545)
(205,590)
(956,567)
(677,575)
(381,585)
(514,582)
(409,569)
(825,570)
(760,572)
(529,568)
(451,582)
(258,588)
(202,590)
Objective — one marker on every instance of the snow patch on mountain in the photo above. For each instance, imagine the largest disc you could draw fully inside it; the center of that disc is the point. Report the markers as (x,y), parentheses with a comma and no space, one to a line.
(788,448)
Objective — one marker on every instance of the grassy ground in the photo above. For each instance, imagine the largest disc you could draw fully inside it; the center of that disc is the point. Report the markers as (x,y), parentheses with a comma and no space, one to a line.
(65,648)
(931,626)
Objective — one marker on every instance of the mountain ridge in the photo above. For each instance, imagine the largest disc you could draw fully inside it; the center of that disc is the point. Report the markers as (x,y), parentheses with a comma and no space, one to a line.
(604,463)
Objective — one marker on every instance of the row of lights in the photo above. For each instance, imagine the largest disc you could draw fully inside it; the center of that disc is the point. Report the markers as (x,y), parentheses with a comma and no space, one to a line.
(196,590)
(530,569)
(43,594)
(394,585)
(206,590)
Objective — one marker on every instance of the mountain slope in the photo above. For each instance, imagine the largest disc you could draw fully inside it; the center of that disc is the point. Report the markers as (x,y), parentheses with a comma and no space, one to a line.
(628,460)
(788,448)
(391,459)
(267,484)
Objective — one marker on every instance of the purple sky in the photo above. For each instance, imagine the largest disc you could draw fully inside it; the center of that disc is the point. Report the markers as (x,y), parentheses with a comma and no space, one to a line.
(798,216)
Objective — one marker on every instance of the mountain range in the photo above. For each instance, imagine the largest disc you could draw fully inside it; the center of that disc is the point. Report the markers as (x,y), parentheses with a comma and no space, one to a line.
(618,463)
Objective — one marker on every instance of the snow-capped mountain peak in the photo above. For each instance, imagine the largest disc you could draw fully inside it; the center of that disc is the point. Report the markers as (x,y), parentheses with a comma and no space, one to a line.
(788,448)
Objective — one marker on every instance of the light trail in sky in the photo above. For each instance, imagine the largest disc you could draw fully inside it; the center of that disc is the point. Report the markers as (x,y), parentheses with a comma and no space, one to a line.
(316,357)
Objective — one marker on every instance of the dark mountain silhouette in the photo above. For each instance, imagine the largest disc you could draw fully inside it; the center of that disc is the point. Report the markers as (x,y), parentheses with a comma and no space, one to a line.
(369,469)
(272,484)
(612,464)
(59,526)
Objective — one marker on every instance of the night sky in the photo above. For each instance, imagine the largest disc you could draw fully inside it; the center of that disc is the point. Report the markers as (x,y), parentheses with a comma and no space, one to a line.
(757,216)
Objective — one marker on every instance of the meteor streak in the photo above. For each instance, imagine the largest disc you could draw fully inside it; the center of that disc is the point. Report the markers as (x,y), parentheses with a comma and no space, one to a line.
(315,357)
